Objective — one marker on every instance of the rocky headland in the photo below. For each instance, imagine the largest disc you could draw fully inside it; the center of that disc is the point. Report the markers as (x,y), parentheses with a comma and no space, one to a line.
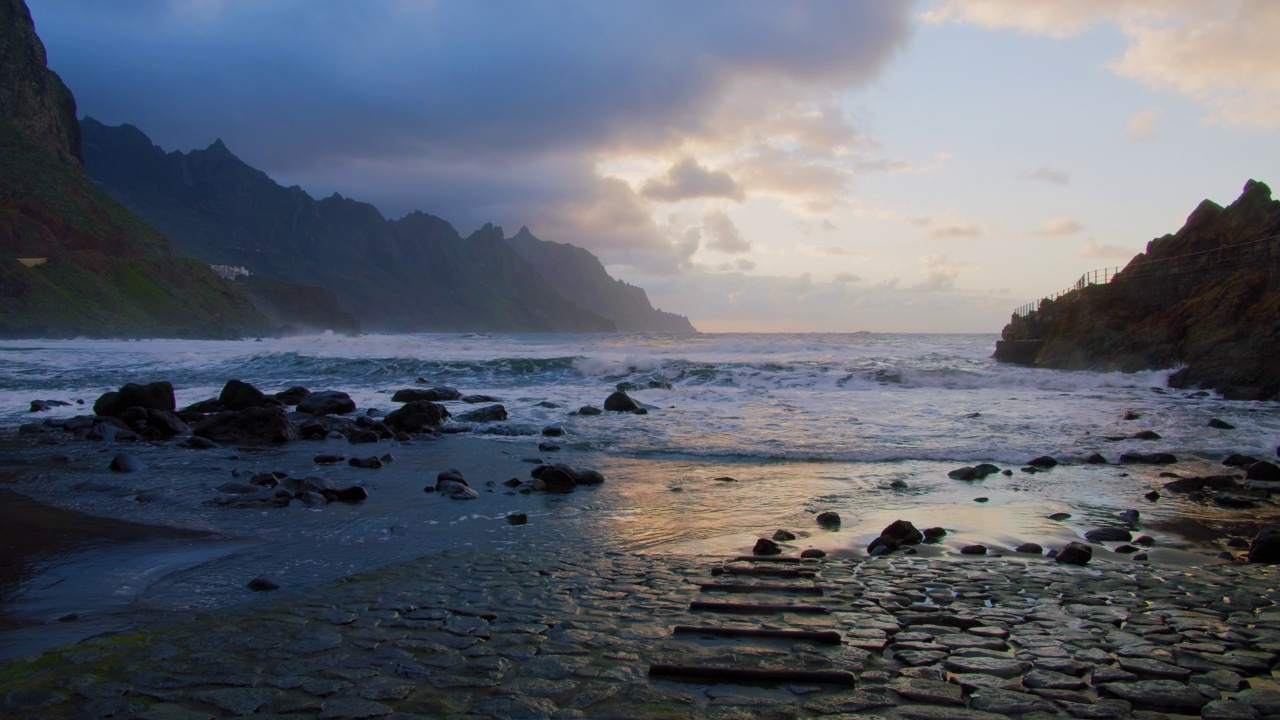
(1205,299)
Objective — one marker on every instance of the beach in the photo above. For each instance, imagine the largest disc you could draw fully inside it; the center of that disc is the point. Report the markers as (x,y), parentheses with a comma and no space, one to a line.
(525,603)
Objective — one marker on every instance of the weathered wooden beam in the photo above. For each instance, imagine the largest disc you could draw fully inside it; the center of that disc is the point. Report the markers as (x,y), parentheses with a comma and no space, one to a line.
(709,673)
(737,588)
(825,637)
(755,608)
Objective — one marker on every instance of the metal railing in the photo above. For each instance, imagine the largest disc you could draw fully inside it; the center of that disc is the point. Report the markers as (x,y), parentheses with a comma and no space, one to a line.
(1214,258)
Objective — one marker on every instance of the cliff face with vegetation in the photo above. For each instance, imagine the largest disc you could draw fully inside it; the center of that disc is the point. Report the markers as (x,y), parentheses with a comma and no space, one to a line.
(411,274)
(1206,298)
(101,272)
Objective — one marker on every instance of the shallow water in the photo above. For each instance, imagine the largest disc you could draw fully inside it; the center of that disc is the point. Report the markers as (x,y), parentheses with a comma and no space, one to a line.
(802,423)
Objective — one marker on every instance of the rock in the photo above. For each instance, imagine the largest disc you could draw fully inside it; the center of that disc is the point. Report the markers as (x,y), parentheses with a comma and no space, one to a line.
(1108,534)
(369,463)
(293,395)
(1129,516)
(964,473)
(238,395)
(1221,424)
(156,395)
(1004,667)
(162,425)
(1264,700)
(829,519)
(548,447)
(933,534)
(589,410)
(898,484)
(1131,415)
(1238,460)
(486,414)
(784,536)
(895,535)
(1152,496)
(263,583)
(1146,435)
(1044,461)
(765,546)
(1059,516)
(973,550)
(620,402)
(195,442)
(455,490)
(251,426)
(477,399)
(1144,540)
(1234,500)
(417,416)
(353,494)
(558,478)
(553,431)
(813,553)
(1095,459)
(327,402)
(1075,553)
(1148,458)
(1157,694)
(588,477)
(124,462)
(1229,709)
(517,519)
(435,394)
(1263,470)
(1029,548)
(1265,547)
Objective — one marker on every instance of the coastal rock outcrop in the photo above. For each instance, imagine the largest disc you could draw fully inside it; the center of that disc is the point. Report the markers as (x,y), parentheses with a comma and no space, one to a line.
(252,426)
(1199,298)
(155,395)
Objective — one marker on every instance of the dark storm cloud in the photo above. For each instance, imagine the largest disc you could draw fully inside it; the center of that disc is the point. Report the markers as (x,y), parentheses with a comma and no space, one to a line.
(396,98)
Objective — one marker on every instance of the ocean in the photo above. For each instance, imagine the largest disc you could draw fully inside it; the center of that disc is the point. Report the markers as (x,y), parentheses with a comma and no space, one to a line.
(864,424)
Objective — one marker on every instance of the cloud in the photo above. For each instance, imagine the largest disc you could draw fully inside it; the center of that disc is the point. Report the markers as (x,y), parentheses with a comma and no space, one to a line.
(495,112)
(1059,226)
(949,229)
(845,277)
(940,274)
(723,234)
(1142,126)
(687,179)
(1051,176)
(1221,54)
(832,251)
(1092,249)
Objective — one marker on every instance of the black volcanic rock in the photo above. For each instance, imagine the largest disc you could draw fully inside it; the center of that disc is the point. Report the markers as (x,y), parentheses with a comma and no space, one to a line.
(32,97)
(1205,297)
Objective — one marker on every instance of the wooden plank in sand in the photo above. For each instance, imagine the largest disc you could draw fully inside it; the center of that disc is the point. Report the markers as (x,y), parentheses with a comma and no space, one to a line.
(825,637)
(710,673)
(756,608)
(737,588)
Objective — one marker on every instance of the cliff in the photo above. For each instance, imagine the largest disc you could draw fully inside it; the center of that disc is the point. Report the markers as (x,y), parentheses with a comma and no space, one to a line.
(90,267)
(32,97)
(1206,297)
(412,274)
(581,278)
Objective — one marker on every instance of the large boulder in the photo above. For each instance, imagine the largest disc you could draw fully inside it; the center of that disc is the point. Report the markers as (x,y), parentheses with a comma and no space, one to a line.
(488,413)
(1263,470)
(293,395)
(327,402)
(416,416)
(156,395)
(1108,534)
(895,535)
(238,395)
(1075,553)
(251,426)
(620,402)
(1265,547)
(436,394)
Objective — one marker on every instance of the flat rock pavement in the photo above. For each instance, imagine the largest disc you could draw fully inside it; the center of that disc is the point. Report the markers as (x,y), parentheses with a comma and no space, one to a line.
(542,632)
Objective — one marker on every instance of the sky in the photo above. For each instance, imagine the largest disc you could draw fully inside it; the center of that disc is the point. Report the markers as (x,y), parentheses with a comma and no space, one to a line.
(757,166)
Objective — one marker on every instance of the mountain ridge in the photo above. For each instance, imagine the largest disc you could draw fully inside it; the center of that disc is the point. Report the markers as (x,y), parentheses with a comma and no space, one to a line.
(414,273)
